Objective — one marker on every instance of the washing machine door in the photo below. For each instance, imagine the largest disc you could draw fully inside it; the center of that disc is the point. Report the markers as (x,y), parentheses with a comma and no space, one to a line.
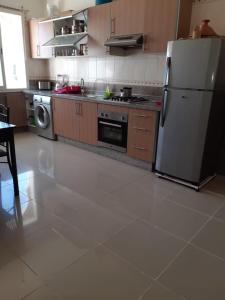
(42,117)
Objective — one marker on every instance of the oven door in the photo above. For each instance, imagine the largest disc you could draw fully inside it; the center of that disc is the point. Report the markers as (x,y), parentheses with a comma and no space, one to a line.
(112,134)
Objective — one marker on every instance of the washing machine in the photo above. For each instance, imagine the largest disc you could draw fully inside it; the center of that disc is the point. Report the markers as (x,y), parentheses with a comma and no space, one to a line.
(43,116)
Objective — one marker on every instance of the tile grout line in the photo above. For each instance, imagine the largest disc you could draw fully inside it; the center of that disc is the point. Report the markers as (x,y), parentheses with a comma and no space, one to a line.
(193,209)
(117,232)
(171,262)
(207,221)
(207,252)
(134,267)
(146,222)
(188,242)
(141,297)
(96,245)
(32,292)
(179,252)
(165,198)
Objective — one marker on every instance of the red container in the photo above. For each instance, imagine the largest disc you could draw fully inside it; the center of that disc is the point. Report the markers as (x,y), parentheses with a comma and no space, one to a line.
(74,89)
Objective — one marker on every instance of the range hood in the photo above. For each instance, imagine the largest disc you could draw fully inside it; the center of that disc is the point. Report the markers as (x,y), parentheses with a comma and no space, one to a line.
(66,40)
(125,41)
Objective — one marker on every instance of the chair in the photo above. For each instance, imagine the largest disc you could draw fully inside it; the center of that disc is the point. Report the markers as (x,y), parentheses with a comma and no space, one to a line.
(4,147)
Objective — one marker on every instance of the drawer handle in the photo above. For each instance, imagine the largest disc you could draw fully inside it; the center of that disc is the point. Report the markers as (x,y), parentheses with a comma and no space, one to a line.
(140,148)
(141,129)
(142,116)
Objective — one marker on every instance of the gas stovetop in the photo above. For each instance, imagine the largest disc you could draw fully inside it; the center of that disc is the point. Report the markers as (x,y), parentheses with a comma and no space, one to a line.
(132,99)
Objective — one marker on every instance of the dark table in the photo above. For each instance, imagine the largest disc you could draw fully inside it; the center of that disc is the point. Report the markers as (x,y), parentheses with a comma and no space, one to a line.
(7,135)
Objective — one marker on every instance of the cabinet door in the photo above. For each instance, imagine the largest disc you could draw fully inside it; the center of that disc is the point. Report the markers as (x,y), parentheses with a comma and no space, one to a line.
(16,103)
(40,33)
(184,20)
(66,118)
(160,24)
(45,33)
(141,134)
(58,118)
(127,16)
(88,123)
(34,42)
(98,29)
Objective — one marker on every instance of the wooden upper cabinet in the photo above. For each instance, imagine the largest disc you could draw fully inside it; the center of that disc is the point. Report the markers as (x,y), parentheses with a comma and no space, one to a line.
(184,18)
(127,16)
(88,123)
(164,21)
(34,41)
(98,29)
(159,21)
(40,33)
(17,105)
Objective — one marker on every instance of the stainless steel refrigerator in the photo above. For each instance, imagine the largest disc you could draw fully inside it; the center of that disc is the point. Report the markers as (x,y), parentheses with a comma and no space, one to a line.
(192,121)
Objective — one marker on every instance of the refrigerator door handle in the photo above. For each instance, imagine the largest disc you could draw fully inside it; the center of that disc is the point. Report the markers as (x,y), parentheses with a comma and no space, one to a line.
(164,108)
(168,65)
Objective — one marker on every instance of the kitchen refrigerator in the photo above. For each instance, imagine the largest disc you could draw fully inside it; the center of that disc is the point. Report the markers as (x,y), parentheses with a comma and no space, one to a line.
(192,122)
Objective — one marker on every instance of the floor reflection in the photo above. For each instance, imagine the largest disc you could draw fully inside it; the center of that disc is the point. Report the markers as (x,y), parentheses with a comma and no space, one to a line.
(46,162)
(16,212)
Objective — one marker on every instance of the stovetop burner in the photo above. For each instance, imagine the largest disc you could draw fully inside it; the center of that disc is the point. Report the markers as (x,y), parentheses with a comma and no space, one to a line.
(132,99)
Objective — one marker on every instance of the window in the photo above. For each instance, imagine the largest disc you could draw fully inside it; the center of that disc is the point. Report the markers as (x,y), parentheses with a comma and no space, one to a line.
(12,58)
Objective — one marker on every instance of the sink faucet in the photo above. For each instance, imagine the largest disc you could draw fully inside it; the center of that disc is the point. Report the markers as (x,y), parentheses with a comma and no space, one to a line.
(82,86)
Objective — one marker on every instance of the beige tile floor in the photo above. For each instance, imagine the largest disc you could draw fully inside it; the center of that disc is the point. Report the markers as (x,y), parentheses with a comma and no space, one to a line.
(91,228)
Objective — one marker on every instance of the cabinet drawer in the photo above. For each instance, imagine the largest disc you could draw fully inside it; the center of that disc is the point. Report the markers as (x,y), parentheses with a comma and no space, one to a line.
(113,108)
(141,139)
(142,120)
(141,145)
(141,134)
(141,154)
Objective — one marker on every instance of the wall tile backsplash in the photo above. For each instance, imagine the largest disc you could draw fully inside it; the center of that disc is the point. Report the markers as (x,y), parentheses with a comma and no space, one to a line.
(37,69)
(144,69)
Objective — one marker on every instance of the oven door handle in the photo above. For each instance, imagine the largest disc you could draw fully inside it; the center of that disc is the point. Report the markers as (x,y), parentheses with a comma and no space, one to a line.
(110,124)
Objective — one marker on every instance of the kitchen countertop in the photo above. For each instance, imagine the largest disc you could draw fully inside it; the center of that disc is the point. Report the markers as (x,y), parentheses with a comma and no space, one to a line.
(151,104)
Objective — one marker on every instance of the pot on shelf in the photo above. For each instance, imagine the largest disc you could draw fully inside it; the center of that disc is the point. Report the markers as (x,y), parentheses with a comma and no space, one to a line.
(206,30)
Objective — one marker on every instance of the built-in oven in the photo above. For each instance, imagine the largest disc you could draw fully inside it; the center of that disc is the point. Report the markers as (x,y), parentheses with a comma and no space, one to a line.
(112,130)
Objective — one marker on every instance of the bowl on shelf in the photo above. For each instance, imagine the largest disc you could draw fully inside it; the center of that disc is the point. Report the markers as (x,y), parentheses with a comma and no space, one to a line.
(99,2)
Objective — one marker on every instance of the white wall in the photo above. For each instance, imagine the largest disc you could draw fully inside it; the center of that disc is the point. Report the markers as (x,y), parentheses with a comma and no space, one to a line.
(76,4)
(209,9)
(36,7)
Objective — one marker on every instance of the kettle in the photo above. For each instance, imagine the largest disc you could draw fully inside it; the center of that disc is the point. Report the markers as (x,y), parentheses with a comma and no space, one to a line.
(126,92)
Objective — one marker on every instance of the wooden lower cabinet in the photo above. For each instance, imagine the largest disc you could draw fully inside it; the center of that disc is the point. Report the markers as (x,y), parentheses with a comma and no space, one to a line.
(17,104)
(141,134)
(65,118)
(75,120)
(88,123)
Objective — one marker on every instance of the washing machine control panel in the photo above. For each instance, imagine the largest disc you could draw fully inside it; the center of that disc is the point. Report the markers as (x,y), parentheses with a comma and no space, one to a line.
(42,99)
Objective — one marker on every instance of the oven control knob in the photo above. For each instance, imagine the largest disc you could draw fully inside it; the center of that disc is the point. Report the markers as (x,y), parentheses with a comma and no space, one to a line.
(106,115)
(102,114)
(123,119)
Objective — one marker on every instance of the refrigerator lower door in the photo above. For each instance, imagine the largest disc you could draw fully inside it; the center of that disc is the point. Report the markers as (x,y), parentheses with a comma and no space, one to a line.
(182,134)
(193,63)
